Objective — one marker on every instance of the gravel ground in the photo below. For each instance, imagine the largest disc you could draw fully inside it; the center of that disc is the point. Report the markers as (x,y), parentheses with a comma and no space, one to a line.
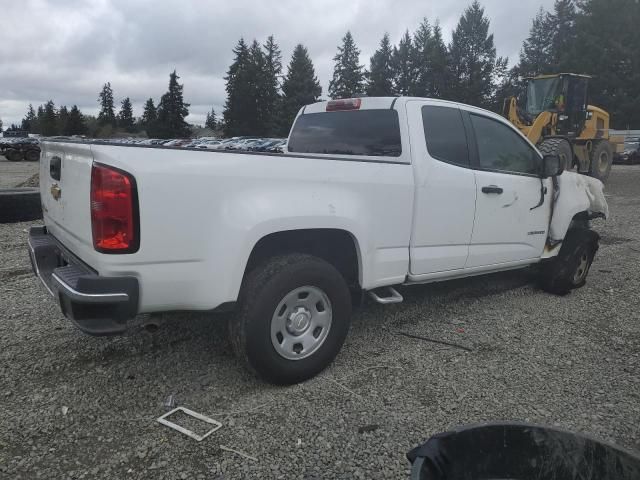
(16,173)
(75,406)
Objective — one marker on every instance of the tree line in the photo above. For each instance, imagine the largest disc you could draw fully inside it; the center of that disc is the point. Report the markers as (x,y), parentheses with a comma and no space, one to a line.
(596,37)
(167,120)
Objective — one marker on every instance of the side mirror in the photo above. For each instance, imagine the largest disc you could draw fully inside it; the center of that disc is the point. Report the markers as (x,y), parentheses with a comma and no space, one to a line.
(552,166)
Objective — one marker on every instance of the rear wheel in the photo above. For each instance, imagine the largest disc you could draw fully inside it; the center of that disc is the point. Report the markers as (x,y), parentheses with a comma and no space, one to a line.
(13,155)
(570,268)
(559,147)
(601,160)
(294,316)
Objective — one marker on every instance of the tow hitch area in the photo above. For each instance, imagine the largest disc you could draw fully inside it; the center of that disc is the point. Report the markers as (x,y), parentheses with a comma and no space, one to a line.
(96,305)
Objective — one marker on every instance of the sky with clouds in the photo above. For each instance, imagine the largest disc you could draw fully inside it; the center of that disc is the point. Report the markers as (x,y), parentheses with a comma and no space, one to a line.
(66,50)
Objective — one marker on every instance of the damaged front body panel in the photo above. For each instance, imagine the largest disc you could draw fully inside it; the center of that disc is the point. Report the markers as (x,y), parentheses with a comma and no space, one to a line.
(574,195)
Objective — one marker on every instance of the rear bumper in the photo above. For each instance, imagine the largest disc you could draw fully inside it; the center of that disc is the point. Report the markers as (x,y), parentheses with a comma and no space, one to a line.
(96,305)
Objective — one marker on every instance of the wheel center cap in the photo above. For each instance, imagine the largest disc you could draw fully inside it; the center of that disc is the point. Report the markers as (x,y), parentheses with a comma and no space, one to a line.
(299,321)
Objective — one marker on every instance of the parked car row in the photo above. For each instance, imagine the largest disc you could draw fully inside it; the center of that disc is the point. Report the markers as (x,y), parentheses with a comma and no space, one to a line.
(255,144)
(28,148)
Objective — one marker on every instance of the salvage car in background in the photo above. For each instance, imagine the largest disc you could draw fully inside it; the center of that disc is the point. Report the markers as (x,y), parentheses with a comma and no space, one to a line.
(371,193)
(631,153)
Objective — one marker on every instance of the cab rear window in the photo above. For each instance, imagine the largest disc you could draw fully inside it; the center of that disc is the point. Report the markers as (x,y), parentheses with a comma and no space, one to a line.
(373,133)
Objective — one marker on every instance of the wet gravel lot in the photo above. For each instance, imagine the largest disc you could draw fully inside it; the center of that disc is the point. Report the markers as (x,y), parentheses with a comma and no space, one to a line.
(75,406)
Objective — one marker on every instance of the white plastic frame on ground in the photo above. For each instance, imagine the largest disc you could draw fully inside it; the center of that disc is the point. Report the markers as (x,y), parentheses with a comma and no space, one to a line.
(198,438)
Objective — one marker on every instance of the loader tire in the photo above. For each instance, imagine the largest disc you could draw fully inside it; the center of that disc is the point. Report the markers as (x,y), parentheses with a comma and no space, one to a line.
(601,160)
(20,205)
(559,147)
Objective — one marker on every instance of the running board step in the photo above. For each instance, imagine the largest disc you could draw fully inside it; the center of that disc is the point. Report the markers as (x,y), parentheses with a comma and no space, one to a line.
(386,295)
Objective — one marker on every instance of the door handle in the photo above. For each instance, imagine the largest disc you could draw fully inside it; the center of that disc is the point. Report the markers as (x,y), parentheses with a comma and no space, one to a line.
(492,189)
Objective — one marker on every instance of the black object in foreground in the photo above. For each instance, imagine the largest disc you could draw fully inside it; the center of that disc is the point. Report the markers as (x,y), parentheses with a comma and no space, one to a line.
(518,451)
(20,204)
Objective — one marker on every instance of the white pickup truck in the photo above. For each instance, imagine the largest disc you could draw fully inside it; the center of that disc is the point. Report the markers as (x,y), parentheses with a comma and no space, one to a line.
(372,193)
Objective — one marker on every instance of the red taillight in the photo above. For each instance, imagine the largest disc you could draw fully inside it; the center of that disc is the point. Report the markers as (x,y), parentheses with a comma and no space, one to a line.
(114,210)
(344,104)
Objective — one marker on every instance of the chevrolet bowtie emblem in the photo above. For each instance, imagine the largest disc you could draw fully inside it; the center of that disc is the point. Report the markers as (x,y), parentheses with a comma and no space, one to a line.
(56,191)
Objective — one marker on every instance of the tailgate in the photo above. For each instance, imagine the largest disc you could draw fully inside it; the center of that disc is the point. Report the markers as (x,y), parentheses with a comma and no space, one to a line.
(65,182)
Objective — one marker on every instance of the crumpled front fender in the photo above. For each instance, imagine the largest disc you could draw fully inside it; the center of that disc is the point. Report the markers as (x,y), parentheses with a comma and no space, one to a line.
(574,194)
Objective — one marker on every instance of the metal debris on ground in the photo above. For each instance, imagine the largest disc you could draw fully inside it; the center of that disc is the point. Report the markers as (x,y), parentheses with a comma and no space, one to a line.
(170,401)
(198,438)
(237,452)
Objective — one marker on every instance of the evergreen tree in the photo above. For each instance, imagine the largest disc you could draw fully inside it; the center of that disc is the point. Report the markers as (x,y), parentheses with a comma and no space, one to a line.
(536,49)
(561,24)
(0,125)
(125,116)
(380,76)
(48,121)
(404,73)
(299,88)
(239,104)
(75,124)
(172,111)
(271,85)
(62,120)
(211,121)
(29,121)
(439,62)
(107,114)
(607,46)
(149,116)
(473,57)
(260,120)
(421,59)
(348,77)
(39,120)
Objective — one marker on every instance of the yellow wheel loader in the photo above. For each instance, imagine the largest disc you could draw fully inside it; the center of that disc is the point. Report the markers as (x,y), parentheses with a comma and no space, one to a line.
(558,120)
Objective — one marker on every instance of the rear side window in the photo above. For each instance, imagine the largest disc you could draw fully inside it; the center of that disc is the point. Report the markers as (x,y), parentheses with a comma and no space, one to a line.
(445,135)
(360,132)
(500,148)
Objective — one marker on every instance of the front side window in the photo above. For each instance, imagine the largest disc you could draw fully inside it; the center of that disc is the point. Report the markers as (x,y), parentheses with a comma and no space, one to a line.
(359,132)
(501,148)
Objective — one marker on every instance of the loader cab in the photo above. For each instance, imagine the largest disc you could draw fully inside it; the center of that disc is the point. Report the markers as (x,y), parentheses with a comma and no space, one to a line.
(563,94)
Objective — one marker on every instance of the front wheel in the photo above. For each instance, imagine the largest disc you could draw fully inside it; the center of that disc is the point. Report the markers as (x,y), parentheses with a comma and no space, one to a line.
(14,155)
(294,316)
(570,268)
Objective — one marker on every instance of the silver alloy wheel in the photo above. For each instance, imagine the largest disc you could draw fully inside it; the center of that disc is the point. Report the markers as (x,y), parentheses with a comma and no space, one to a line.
(581,271)
(301,323)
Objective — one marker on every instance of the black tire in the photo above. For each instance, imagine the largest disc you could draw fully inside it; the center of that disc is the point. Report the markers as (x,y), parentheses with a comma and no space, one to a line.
(32,155)
(570,268)
(559,147)
(262,292)
(20,205)
(14,155)
(601,160)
